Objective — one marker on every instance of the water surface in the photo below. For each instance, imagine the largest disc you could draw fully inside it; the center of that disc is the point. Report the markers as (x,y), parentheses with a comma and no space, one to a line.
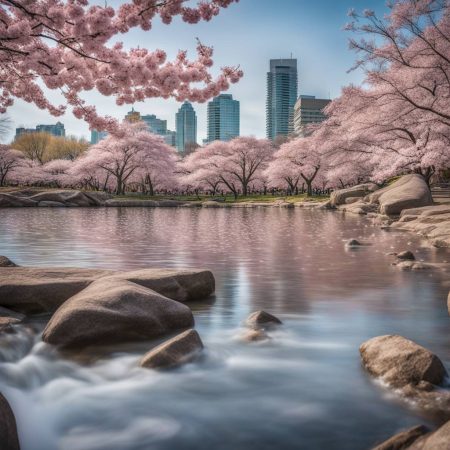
(304,389)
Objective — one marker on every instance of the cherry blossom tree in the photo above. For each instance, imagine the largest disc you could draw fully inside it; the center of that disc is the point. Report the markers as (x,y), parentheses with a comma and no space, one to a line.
(63,45)
(131,155)
(300,158)
(10,161)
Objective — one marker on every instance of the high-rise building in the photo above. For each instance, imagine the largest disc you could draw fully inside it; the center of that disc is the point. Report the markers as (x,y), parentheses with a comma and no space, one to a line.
(56,129)
(223,118)
(308,109)
(186,124)
(281,97)
(170,138)
(133,116)
(97,136)
(155,125)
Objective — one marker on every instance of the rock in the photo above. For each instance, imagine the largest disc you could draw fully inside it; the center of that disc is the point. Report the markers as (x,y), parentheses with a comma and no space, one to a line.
(262,318)
(180,285)
(427,210)
(110,311)
(6,324)
(410,191)
(406,255)
(404,439)
(179,350)
(8,428)
(400,362)
(6,262)
(353,243)
(50,204)
(98,198)
(417,266)
(340,196)
(438,440)
(9,200)
(254,336)
(211,204)
(116,202)
(35,290)
(5,312)
(350,200)
(448,303)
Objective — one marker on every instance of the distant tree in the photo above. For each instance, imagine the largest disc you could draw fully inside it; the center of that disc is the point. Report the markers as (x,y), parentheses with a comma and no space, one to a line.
(34,145)
(10,160)
(66,148)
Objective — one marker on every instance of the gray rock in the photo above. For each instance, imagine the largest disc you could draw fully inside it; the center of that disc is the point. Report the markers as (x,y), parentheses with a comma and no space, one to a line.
(406,255)
(410,191)
(97,198)
(6,262)
(211,204)
(10,200)
(32,290)
(438,440)
(8,428)
(404,439)
(179,350)
(180,285)
(110,311)
(35,290)
(400,362)
(340,196)
(262,319)
(51,204)
(353,243)
(5,312)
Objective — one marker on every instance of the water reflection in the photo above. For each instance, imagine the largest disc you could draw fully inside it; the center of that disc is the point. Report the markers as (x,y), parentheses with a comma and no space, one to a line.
(302,389)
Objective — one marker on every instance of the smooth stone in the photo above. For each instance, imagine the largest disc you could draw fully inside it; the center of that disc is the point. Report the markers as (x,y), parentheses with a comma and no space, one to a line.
(6,262)
(437,440)
(35,290)
(254,336)
(404,439)
(183,285)
(9,439)
(406,255)
(10,200)
(400,362)
(353,243)
(416,266)
(340,196)
(6,324)
(110,311)
(175,352)
(32,290)
(98,198)
(262,318)
(51,204)
(410,191)
(5,312)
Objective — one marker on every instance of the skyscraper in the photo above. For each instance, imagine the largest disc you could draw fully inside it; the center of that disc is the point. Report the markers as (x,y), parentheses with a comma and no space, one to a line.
(281,97)
(155,125)
(308,109)
(97,136)
(56,129)
(223,118)
(186,126)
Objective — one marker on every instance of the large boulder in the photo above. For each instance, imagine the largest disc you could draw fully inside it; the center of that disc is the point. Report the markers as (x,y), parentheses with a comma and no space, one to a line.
(32,290)
(410,191)
(9,200)
(179,350)
(98,198)
(419,438)
(110,311)
(340,196)
(6,262)
(54,197)
(401,362)
(35,290)
(8,428)
(180,285)
(404,439)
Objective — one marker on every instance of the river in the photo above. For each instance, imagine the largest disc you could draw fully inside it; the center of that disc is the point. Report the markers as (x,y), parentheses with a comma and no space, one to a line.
(303,389)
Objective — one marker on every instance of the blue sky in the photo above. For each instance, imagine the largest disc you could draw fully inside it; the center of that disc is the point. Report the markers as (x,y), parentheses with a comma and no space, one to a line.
(248,34)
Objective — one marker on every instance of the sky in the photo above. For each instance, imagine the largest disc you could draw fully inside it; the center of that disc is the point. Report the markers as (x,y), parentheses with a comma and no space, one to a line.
(248,34)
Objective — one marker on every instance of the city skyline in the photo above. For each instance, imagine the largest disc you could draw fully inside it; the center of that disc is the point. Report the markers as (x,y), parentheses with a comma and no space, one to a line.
(323,63)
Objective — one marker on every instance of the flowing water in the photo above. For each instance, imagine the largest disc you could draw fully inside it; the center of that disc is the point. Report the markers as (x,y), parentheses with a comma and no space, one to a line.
(303,389)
